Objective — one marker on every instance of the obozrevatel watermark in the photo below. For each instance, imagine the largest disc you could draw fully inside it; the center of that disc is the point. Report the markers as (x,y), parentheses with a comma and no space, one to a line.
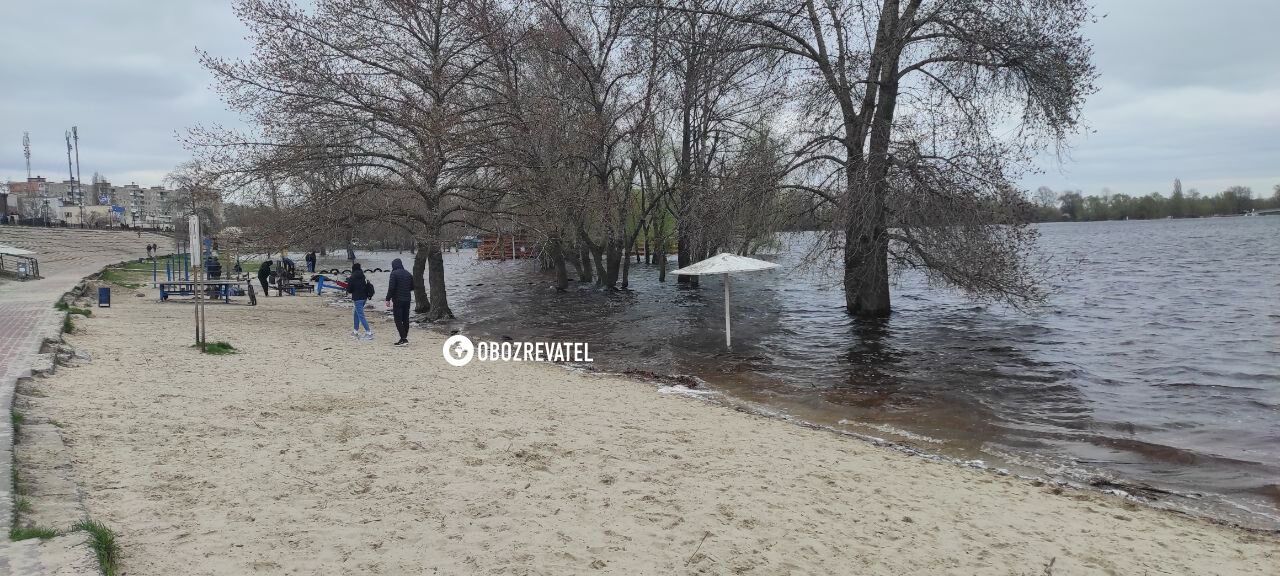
(460,351)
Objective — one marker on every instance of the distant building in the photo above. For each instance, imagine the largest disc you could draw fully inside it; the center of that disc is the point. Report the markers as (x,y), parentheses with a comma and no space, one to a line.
(34,186)
(39,201)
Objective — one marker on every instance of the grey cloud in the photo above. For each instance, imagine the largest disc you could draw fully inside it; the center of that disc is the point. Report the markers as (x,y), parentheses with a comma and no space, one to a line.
(1188,89)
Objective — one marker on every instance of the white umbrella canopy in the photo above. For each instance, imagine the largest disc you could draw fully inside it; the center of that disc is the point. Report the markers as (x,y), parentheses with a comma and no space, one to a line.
(725,263)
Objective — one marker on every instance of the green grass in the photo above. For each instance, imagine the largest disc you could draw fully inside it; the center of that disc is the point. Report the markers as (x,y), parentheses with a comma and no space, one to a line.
(68,327)
(19,487)
(16,418)
(120,277)
(42,533)
(103,542)
(216,348)
(22,505)
(73,309)
(144,266)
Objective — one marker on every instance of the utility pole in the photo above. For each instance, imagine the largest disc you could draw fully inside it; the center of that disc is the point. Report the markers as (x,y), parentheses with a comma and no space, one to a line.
(75,136)
(26,151)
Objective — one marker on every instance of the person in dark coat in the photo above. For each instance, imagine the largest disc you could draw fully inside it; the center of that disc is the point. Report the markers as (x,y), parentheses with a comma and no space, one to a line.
(399,297)
(264,272)
(358,288)
(311,263)
(212,268)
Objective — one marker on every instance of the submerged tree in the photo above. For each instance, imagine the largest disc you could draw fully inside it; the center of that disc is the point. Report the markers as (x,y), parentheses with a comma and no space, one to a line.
(909,99)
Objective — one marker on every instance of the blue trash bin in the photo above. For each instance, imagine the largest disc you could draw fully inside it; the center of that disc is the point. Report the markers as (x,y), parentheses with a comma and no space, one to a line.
(104,297)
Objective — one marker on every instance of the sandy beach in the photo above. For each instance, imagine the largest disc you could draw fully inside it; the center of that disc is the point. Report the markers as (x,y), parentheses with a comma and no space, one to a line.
(311,453)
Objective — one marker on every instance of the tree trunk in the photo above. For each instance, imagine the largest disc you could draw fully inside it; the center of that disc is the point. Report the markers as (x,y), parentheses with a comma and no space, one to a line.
(626,268)
(866,257)
(584,263)
(557,262)
(682,256)
(574,257)
(439,301)
(597,260)
(613,261)
(419,282)
(866,272)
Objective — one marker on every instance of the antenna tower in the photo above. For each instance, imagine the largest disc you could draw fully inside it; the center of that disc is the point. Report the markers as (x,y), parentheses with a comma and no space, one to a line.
(26,151)
(75,136)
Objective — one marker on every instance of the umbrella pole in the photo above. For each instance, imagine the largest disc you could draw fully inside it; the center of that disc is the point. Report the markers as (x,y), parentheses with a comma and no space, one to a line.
(727,338)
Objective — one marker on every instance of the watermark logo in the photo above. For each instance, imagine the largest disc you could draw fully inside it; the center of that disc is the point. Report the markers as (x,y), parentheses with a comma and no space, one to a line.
(460,351)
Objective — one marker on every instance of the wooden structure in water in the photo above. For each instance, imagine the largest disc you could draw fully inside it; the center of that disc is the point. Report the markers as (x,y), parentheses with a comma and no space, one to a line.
(506,247)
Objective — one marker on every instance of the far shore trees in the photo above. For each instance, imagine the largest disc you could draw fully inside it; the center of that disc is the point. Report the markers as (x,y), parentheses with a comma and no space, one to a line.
(1074,206)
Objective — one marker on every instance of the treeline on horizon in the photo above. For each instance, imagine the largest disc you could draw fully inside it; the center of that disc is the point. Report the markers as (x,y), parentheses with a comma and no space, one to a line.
(1075,206)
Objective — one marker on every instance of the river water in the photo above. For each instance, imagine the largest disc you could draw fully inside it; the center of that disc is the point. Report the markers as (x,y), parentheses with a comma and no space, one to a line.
(1156,362)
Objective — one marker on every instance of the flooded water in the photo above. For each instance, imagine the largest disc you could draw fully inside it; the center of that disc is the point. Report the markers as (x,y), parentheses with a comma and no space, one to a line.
(1157,362)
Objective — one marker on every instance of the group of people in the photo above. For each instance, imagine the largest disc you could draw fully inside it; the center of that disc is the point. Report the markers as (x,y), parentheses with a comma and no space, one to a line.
(151,250)
(398,299)
(399,295)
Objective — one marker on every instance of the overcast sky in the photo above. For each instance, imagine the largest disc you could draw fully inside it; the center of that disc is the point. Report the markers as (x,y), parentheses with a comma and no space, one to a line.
(1189,90)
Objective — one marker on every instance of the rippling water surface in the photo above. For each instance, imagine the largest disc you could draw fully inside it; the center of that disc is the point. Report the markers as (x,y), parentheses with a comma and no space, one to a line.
(1156,362)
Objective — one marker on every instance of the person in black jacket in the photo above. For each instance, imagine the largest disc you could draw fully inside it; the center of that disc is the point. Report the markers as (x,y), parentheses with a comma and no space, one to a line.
(358,288)
(264,272)
(399,296)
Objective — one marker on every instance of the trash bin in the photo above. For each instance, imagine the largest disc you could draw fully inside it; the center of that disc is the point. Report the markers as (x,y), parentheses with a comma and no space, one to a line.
(104,297)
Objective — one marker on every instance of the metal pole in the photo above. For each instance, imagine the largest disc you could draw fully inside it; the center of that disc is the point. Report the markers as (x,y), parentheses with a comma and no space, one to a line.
(728,341)
(197,311)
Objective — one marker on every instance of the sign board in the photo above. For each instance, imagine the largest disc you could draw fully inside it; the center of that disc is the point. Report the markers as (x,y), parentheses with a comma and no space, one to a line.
(193,243)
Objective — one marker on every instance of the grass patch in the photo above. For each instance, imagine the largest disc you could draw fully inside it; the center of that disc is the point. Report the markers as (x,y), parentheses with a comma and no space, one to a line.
(216,348)
(16,418)
(103,542)
(120,277)
(68,327)
(144,266)
(22,505)
(19,487)
(42,533)
(69,309)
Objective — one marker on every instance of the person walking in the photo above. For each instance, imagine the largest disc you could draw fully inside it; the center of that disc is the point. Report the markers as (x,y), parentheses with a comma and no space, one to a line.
(359,288)
(399,296)
(311,263)
(264,272)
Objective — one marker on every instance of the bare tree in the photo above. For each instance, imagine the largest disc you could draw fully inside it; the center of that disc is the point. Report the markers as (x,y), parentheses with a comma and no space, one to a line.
(196,191)
(380,86)
(911,92)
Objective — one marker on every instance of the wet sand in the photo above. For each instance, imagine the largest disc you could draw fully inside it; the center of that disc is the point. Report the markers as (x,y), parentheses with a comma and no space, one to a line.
(309,452)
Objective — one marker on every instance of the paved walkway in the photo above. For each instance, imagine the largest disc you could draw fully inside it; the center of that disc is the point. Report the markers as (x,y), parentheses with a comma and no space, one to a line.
(27,318)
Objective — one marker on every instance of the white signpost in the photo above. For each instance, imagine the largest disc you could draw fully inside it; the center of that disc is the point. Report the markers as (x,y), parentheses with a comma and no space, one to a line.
(195,252)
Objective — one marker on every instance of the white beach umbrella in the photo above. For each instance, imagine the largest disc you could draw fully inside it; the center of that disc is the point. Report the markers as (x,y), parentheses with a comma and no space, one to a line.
(725,263)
